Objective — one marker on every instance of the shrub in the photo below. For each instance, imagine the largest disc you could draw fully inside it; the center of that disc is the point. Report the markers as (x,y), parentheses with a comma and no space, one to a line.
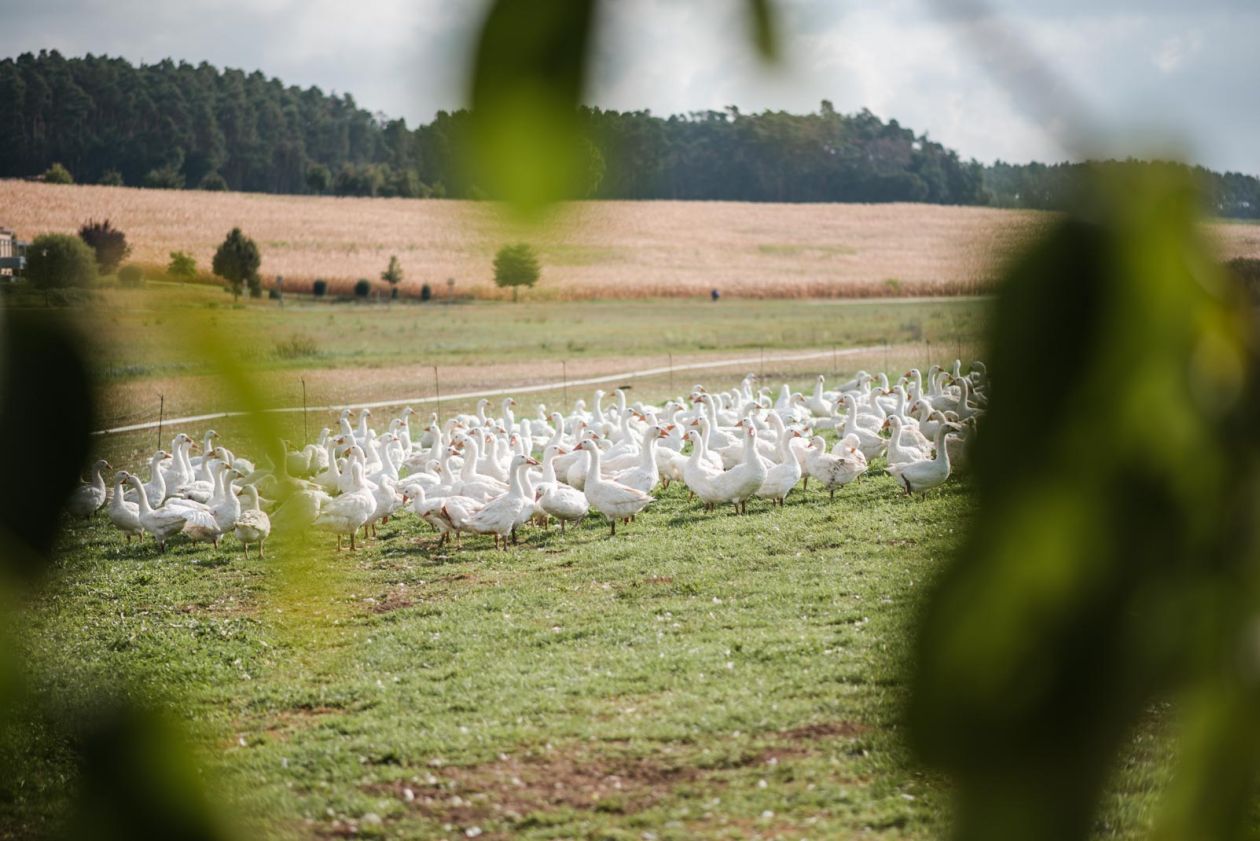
(362,180)
(164,178)
(273,294)
(58,174)
(298,346)
(237,262)
(182,265)
(58,261)
(131,275)
(212,181)
(107,242)
(426,292)
(515,266)
(112,178)
(362,288)
(319,288)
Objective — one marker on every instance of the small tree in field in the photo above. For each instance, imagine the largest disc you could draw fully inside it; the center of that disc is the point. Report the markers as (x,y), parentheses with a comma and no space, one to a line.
(109,244)
(516,266)
(183,265)
(55,261)
(237,262)
(393,275)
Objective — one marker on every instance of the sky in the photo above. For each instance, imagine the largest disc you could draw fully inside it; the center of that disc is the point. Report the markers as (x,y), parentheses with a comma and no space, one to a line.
(1041,80)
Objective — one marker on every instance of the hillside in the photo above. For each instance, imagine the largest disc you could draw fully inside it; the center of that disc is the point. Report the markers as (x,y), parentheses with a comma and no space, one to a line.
(591,250)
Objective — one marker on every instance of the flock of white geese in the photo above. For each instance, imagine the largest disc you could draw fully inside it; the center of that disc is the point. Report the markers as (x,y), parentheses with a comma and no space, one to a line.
(487,475)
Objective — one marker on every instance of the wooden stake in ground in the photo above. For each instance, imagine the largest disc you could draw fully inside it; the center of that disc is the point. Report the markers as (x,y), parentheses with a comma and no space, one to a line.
(437,391)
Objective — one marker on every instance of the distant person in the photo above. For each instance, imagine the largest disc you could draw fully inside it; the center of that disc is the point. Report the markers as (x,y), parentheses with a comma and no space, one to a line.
(714,295)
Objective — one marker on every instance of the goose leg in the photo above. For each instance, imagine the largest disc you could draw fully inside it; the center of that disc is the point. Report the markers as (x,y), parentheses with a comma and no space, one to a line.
(247,551)
(262,548)
(833,493)
(352,546)
(613,522)
(562,526)
(806,487)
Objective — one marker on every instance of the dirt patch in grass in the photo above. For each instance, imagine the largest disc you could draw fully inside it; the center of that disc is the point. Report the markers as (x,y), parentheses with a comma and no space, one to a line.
(514,788)
(520,789)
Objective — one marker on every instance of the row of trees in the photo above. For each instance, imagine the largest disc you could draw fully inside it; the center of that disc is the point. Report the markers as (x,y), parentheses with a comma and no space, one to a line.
(62,261)
(1057,186)
(175,125)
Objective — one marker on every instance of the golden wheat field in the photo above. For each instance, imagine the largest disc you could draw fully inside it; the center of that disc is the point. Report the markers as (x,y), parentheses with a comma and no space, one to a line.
(588,250)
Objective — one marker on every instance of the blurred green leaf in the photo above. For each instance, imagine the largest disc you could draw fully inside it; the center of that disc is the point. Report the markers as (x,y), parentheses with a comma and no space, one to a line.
(1097,572)
(46,412)
(528,80)
(765,28)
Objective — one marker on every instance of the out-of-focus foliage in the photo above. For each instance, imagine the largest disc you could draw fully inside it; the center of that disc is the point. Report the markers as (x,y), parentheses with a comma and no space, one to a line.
(108,243)
(131,777)
(1113,556)
(528,80)
(1247,270)
(58,261)
(131,275)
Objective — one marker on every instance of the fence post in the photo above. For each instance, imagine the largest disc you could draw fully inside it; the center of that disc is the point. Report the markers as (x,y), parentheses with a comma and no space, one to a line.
(437,390)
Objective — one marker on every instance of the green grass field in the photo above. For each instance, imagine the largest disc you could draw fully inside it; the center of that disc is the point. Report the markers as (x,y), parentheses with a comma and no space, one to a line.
(698,676)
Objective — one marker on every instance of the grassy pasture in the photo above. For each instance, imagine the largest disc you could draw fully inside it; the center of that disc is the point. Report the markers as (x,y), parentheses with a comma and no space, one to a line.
(699,676)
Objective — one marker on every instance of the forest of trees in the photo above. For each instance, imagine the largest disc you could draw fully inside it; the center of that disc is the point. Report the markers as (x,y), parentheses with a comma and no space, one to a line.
(178,125)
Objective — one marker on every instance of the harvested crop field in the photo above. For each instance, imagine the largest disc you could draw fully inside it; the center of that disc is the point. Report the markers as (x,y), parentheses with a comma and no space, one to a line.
(591,249)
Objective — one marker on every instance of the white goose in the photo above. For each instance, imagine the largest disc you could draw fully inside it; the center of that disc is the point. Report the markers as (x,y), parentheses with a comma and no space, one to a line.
(921,476)
(252,525)
(741,482)
(612,499)
(89,496)
(833,471)
(499,516)
(167,521)
(566,504)
(123,514)
(349,512)
(782,477)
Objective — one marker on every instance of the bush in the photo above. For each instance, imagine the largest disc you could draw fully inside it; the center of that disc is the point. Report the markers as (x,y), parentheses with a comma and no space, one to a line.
(426,292)
(273,294)
(108,243)
(362,288)
(213,182)
(320,288)
(515,266)
(182,266)
(112,178)
(298,346)
(58,174)
(131,275)
(164,178)
(59,261)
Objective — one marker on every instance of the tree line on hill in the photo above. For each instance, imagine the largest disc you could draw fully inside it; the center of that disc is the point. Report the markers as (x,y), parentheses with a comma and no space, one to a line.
(177,125)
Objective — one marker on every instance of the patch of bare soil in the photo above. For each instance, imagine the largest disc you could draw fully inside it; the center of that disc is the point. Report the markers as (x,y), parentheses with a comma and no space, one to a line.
(581,777)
